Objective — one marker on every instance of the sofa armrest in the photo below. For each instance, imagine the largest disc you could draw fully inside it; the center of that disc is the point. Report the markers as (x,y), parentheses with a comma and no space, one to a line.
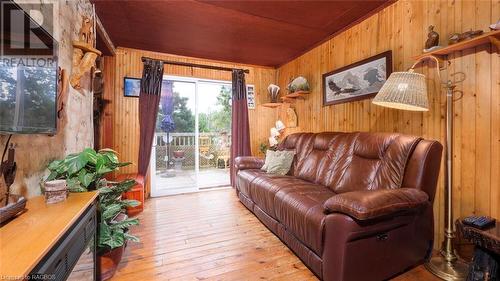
(369,204)
(248,162)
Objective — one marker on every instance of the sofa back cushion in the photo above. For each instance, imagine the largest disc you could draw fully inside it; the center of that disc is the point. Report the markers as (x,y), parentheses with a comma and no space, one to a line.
(313,164)
(376,161)
(351,161)
(301,143)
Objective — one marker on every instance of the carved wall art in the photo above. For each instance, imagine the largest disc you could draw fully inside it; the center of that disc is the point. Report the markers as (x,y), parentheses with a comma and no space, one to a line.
(459,37)
(62,93)
(84,53)
(291,118)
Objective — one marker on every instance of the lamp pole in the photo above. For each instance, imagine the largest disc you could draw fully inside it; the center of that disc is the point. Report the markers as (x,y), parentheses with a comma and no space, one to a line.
(408,91)
(447,266)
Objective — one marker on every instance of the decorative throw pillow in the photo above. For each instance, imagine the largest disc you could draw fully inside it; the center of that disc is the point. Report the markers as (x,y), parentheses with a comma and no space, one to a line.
(269,155)
(279,162)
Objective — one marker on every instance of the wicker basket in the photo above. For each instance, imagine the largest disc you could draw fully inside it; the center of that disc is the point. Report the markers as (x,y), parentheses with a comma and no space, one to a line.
(16,206)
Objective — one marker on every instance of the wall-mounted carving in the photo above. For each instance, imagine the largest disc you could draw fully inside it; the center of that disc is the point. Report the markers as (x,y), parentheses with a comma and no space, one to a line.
(62,93)
(459,37)
(84,53)
(86,33)
(291,118)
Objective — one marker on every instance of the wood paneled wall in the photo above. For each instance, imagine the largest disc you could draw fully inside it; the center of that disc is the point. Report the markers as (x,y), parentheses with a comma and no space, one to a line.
(402,28)
(120,129)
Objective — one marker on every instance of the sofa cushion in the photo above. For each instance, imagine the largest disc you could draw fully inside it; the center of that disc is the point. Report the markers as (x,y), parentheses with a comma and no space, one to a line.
(264,188)
(330,151)
(248,162)
(300,210)
(351,161)
(376,161)
(317,157)
(370,204)
(301,143)
(245,177)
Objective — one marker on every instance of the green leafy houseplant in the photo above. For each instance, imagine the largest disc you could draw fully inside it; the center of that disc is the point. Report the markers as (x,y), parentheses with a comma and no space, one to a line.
(113,232)
(86,171)
(263,148)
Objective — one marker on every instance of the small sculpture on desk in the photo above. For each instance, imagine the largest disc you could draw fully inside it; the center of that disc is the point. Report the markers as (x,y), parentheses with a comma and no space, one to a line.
(12,204)
(55,191)
(432,42)
(459,37)
(8,170)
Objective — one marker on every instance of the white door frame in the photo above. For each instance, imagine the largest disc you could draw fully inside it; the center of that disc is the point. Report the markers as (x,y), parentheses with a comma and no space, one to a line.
(154,191)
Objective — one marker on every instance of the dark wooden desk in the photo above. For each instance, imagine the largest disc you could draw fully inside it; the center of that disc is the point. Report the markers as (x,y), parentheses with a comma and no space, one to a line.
(487,251)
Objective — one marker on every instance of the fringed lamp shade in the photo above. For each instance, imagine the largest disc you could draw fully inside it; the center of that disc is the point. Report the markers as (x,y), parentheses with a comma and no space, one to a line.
(404,90)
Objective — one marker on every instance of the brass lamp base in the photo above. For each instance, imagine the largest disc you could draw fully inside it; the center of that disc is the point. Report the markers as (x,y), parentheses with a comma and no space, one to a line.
(450,271)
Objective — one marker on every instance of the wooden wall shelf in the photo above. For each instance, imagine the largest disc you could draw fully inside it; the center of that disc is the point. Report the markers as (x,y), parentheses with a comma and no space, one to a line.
(297,95)
(272,104)
(488,37)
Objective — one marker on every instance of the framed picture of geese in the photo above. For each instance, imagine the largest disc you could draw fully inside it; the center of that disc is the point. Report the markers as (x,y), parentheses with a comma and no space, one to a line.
(357,81)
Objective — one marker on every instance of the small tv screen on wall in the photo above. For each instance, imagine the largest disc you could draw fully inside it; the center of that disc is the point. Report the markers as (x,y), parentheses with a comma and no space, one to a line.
(28,80)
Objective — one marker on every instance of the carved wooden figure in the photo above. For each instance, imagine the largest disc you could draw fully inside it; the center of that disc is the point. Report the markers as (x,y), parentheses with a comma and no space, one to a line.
(432,38)
(81,65)
(458,37)
(291,118)
(86,33)
(62,95)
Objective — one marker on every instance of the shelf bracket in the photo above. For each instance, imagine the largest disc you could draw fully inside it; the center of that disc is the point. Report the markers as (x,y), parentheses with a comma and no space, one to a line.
(495,41)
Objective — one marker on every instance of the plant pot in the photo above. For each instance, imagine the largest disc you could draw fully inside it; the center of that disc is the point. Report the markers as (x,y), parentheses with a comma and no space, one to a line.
(108,262)
(119,217)
(179,154)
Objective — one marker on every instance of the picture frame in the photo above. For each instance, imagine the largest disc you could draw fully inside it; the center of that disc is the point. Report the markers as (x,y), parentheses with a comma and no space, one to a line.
(251,97)
(357,81)
(131,87)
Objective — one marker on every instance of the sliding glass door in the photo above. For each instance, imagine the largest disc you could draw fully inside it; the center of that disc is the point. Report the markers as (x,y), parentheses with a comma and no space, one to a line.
(192,142)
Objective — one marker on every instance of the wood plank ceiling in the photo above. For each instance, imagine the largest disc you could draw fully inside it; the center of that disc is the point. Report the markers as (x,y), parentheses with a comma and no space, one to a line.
(268,33)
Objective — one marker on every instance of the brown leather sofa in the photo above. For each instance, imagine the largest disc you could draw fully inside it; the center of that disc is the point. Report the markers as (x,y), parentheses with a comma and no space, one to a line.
(354,206)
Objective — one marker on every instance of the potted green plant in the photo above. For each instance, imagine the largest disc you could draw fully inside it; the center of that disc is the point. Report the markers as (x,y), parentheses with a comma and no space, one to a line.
(86,171)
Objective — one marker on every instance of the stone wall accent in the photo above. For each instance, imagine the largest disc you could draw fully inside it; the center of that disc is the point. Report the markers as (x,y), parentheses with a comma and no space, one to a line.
(75,132)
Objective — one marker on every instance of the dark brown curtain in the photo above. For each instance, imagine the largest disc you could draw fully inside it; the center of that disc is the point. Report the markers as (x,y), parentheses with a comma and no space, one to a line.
(240,130)
(149,101)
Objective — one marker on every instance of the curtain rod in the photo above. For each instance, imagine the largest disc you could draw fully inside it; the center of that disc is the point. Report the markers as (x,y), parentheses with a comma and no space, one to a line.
(197,65)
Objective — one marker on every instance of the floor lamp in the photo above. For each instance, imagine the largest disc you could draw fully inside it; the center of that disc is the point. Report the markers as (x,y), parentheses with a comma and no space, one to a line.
(408,91)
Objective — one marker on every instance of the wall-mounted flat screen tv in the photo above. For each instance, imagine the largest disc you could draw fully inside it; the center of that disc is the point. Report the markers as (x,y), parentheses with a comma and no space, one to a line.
(28,77)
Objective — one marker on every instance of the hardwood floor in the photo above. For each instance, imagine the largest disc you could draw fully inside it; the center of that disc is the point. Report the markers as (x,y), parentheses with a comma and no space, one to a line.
(212,236)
